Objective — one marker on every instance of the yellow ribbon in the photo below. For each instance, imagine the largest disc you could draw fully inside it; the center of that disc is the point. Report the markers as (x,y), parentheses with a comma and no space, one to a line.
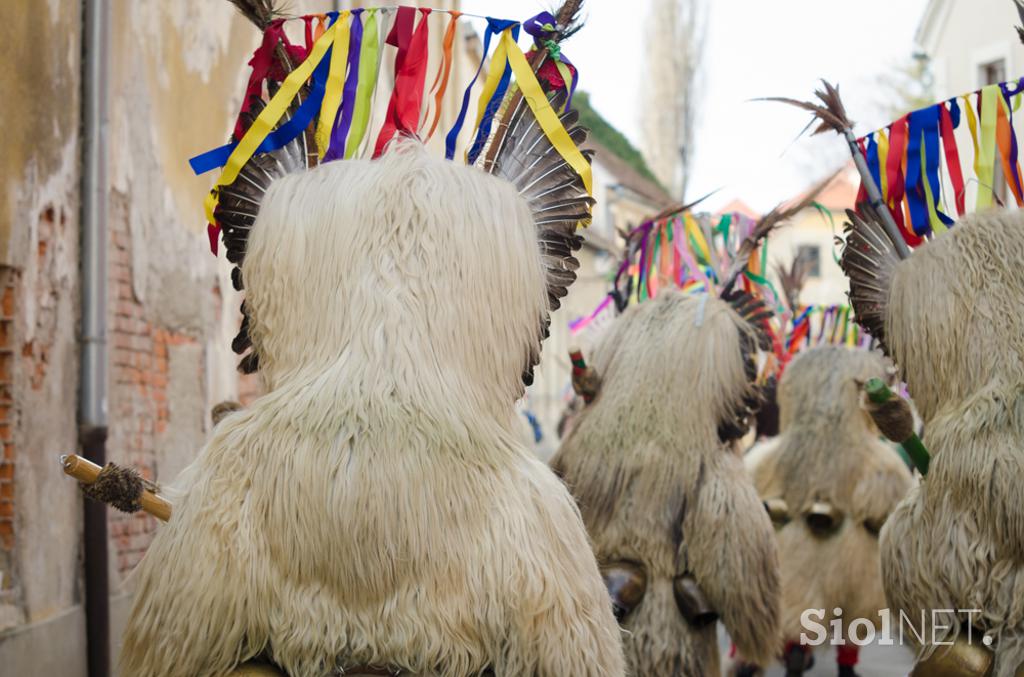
(546,117)
(985,160)
(494,73)
(335,86)
(933,216)
(696,237)
(369,63)
(268,118)
(882,139)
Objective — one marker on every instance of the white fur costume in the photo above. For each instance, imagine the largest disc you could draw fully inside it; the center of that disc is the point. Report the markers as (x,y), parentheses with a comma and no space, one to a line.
(376,506)
(829,451)
(953,325)
(657,487)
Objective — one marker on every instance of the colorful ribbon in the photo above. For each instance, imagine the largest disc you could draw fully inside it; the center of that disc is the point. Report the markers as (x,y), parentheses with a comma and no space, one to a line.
(916,158)
(259,132)
(410,70)
(339,133)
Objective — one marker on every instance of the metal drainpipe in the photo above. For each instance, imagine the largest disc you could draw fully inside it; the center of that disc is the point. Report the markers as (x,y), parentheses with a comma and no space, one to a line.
(92,413)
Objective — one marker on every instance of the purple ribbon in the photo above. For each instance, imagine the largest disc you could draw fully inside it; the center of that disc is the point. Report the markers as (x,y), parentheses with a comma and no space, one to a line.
(342,124)
(1007,96)
(535,26)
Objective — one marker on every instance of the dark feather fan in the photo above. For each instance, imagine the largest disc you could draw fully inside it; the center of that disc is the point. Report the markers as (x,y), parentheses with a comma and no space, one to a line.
(557,197)
(237,209)
(519,152)
(755,312)
(868,260)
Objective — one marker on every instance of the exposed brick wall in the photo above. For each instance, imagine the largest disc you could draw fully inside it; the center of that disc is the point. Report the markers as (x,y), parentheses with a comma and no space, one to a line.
(8,296)
(10,286)
(139,408)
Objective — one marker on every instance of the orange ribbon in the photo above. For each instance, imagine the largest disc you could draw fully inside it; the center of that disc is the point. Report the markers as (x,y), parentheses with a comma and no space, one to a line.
(443,71)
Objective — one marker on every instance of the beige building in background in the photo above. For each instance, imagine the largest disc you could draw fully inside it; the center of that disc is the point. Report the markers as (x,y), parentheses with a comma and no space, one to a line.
(970,44)
(810,235)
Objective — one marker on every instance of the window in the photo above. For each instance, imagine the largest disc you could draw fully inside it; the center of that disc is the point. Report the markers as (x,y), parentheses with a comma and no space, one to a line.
(810,257)
(991,73)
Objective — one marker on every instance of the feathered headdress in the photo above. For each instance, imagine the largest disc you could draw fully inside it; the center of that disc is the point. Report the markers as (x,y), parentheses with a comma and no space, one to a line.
(691,252)
(312,103)
(907,169)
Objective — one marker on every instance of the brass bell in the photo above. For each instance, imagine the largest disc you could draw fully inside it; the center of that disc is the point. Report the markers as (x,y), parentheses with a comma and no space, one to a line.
(692,603)
(961,659)
(626,583)
(823,519)
(778,511)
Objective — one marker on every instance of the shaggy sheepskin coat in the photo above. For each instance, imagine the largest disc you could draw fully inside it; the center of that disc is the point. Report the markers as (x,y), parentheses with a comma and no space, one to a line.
(953,325)
(376,506)
(658,488)
(829,451)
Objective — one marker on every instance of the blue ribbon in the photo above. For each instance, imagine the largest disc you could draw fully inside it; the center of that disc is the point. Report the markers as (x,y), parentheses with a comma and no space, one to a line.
(954,112)
(933,157)
(873,162)
(915,189)
(284,134)
(494,27)
(484,130)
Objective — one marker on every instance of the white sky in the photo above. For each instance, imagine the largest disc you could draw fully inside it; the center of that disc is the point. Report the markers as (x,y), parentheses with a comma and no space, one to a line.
(754,48)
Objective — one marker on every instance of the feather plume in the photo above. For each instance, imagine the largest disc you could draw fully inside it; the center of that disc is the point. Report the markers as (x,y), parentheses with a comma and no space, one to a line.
(868,260)
(765,225)
(830,112)
(568,18)
(1020,13)
(259,12)
(793,279)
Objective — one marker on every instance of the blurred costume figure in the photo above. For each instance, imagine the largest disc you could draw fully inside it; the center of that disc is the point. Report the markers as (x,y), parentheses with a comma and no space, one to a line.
(950,317)
(677,527)
(829,483)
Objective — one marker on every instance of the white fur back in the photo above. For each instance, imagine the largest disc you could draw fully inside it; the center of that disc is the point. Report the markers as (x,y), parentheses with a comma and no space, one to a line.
(375,507)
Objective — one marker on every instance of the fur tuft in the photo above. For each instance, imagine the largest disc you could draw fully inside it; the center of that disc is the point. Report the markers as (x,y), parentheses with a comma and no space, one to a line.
(375,507)
(657,486)
(953,325)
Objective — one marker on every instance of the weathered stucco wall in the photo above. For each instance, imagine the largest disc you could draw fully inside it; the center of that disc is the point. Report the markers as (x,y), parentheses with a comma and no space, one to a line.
(39,525)
(176,75)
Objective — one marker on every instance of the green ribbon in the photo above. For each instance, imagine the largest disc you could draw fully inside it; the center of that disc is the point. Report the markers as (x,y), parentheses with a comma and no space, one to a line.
(369,62)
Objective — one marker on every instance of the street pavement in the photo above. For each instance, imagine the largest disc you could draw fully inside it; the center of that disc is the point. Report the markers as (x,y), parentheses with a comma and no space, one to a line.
(875,661)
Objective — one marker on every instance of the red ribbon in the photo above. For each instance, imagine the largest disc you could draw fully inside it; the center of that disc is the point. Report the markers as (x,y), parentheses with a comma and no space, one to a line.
(956,177)
(410,72)
(895,180)
(265,66)
(213,233)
